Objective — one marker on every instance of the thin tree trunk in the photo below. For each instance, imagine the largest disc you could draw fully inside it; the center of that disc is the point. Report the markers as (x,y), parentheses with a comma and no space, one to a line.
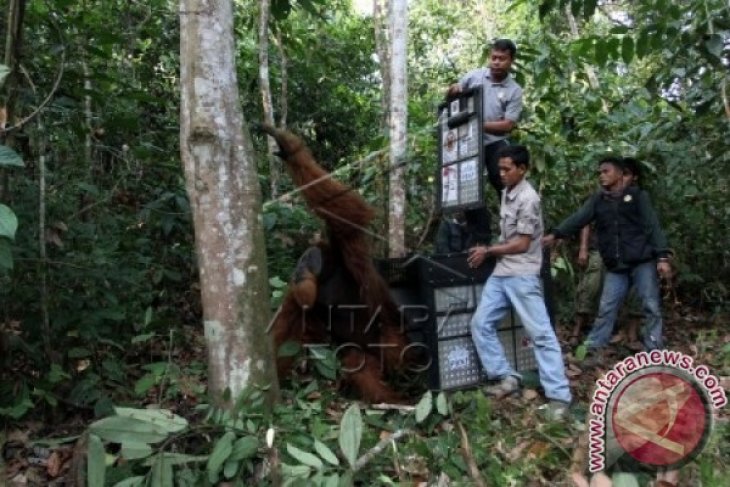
(398,127)
(221,179)
(590,72)
(265,86)
(381,22)
(87,113)
(45,320)
(284,66)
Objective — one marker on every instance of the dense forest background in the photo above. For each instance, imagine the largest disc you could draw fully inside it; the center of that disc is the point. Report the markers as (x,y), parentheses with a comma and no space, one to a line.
(99,293)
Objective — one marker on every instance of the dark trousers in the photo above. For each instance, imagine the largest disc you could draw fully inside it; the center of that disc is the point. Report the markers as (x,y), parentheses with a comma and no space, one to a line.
(478,219)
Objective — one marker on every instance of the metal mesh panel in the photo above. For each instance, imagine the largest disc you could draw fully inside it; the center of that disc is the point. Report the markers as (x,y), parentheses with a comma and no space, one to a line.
(454,298)
(453,324)
(458,363)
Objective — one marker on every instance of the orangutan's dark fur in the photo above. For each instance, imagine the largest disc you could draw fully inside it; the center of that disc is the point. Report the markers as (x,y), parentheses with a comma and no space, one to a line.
(339,272)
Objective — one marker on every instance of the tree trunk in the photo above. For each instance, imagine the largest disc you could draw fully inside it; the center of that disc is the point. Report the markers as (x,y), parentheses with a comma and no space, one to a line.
(284,98)
(13,38)
(265,87)
(398,127)
(381,22)
(221,180)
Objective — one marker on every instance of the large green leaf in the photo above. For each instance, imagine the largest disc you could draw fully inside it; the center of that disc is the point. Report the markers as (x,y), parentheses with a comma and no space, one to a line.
(162,418)
(351,433)
(442,405)
(244,447)
(161,474)
(589,7)
(8,222)
(424,407)
(221,452)
(119,429)
(325,452)
(627,49)
(133,450)
(95,462)
(8,157)
(137,481)
(304,457)
(623,479)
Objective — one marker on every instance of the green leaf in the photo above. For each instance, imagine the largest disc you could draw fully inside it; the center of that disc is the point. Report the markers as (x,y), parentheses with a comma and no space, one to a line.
(581,351)
(161,474)
(162,418)
(95,462)
(442,405)
(244,447)
(351,433)
(332,481)
(118,429)
(304,457)
(715,45)
(545,7)
(144,384)
(6,254)
(627,49)
(10,158)
(221,452)
(325,452)
(295,471)
(133,450)
(148,316)
(424,407)
(277,282)
(4,72)
(601,52)
(8,222)
(137,481)
(289,349)
(623,479)
(230,468)
(589,7)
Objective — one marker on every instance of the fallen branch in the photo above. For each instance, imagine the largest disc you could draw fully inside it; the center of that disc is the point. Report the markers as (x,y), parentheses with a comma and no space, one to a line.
(384,406)
(474,472)
(374,451)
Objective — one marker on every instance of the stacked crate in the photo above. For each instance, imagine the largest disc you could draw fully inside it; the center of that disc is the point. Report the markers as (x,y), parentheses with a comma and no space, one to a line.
(449,292)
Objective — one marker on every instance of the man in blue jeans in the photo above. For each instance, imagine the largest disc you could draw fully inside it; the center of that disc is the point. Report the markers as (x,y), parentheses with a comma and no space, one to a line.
(633,249)
(515,282)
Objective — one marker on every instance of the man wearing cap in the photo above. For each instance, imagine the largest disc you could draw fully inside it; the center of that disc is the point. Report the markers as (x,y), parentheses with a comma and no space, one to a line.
(633,249)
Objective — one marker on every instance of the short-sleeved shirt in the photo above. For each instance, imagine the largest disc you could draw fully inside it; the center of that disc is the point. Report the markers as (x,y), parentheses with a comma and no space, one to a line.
(501,100)
(520,214)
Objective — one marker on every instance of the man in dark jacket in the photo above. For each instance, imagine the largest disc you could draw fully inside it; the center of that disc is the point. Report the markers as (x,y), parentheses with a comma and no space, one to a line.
(633,249)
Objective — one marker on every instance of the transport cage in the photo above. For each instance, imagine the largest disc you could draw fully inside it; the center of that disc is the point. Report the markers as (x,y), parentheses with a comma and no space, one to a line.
(438,295)
(461,149)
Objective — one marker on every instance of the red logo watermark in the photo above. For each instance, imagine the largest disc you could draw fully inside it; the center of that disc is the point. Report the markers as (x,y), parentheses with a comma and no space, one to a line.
(654,409)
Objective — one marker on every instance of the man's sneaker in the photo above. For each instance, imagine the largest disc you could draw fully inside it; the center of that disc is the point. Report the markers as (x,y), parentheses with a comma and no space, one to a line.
(505,387)
(555,410)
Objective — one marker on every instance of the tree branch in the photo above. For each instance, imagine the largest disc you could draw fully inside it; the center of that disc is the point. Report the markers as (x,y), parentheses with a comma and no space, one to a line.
(474,472)
(46,101)
(374,451)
